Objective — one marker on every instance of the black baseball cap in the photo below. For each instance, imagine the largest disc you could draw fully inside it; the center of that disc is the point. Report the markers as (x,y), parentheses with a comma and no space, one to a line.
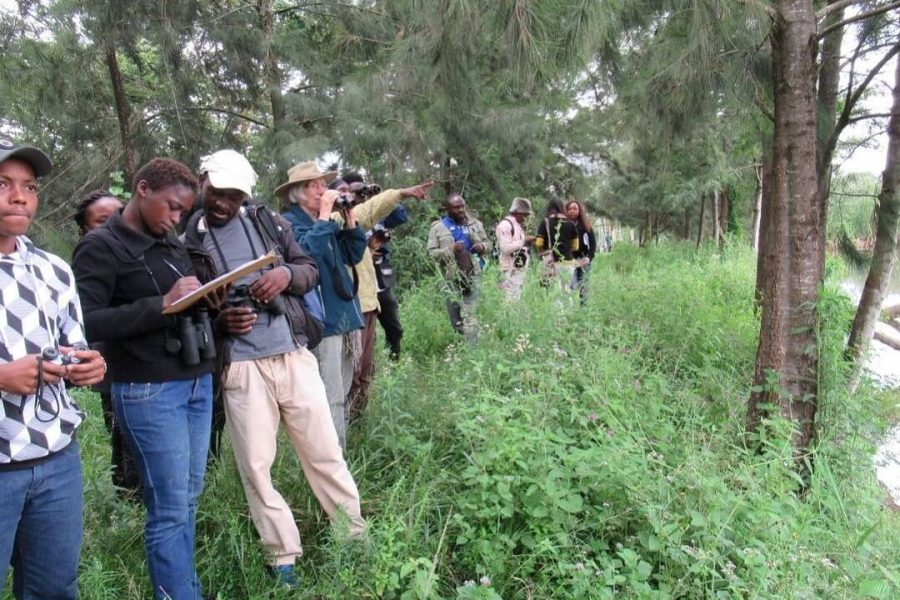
(40,162)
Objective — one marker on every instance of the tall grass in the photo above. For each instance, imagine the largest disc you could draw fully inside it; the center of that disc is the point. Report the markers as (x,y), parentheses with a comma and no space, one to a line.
(572,452)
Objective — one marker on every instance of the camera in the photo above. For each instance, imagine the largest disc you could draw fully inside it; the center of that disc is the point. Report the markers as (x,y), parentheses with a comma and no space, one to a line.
(240,296)
(51,354)
(381,233)
(195,338)
(520,259)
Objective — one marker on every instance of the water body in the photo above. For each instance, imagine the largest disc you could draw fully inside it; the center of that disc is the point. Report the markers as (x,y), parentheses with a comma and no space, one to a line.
(883,366)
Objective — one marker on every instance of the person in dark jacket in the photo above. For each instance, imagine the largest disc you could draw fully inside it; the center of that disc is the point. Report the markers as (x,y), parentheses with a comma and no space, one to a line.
(41,488)
(556,241)
(587,246)
(91,213)
(271,378)
(337,245)
(129,271)
(385,279)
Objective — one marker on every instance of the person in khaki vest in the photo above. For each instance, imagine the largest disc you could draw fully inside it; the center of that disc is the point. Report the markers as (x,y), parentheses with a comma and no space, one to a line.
(458,244)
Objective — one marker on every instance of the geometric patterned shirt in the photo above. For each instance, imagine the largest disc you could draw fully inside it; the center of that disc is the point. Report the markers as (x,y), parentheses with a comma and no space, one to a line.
(39,307)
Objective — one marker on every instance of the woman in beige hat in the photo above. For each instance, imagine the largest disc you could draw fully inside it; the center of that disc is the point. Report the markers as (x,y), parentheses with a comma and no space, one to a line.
(337,245)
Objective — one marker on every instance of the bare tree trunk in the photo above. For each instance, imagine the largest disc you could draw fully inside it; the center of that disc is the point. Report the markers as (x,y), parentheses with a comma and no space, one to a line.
(687,224)
(717,229)
(757,207)
(123,110)
(656,227)
(786,373)
(725,202)
(885,244)
(270,61)
(648,228)
(826,109)
(700,220)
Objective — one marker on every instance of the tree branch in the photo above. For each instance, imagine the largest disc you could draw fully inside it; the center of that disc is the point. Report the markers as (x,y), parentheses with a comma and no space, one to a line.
(212,109)
(827,10)
(854,98)
(859,17)
(867,116)
(309,5)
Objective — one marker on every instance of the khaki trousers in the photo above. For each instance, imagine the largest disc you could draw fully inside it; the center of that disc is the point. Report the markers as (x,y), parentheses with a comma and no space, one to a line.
(286,388)
(511,282)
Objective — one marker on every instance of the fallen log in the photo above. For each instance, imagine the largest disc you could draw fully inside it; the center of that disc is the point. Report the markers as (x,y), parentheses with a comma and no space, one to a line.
(886,334)
(892,311)
(895,323)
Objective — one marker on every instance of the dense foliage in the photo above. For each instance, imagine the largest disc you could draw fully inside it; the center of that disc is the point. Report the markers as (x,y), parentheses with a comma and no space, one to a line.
(572,452)
(643,108)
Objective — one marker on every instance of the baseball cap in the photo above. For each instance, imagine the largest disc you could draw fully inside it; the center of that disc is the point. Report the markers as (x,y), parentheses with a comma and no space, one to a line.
(39,161)
(229,170)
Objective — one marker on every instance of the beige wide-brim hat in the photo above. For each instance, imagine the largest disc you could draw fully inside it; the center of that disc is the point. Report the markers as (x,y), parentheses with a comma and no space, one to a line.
(305,171)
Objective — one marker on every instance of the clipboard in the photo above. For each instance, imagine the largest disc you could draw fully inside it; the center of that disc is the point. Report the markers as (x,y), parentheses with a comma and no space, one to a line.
(219,282)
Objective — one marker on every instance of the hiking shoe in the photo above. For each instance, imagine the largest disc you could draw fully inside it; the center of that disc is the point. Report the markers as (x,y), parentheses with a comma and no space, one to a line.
(284,575)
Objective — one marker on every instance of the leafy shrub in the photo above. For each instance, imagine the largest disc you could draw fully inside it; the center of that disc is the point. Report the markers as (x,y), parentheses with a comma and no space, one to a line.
(572,452)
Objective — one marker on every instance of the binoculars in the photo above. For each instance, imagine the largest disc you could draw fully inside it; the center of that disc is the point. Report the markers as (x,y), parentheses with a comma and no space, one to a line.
(195,338)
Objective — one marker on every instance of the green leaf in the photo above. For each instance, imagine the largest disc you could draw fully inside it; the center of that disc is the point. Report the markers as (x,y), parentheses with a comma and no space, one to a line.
(573,503)
(644,570)
(873,588)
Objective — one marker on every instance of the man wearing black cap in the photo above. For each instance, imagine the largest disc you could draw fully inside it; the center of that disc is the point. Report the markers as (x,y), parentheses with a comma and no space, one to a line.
(40,468)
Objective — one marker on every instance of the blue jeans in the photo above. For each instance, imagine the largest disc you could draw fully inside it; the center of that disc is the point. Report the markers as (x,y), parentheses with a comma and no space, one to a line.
(167,426)
(40,527)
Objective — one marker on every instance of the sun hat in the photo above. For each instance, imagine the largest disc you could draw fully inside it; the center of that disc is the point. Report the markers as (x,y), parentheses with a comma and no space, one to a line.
(40,162)
(229,170)
(305,171)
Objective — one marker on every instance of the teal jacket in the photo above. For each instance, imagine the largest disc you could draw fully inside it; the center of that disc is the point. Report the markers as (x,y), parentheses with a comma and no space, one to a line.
(334,249)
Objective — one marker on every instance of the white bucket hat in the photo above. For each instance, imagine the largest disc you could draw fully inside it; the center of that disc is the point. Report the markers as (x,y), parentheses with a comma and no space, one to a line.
(229,170)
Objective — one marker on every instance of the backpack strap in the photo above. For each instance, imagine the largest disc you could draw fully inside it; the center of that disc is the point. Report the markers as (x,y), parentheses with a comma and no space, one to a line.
(265,220)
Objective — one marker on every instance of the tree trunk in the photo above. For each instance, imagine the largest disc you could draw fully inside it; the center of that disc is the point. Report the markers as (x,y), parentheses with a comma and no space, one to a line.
(786,373)
(757,207)
(270,62)
(686,234)
(123,110)
(700,220)
(826,109)
(273,81)
(885,244)
(724,209)
(717,229)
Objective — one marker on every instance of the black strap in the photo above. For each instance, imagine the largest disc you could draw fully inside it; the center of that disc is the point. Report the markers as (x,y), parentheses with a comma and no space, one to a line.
(337,282)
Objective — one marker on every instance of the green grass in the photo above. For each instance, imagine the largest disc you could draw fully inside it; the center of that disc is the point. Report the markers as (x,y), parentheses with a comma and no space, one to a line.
(572,452)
